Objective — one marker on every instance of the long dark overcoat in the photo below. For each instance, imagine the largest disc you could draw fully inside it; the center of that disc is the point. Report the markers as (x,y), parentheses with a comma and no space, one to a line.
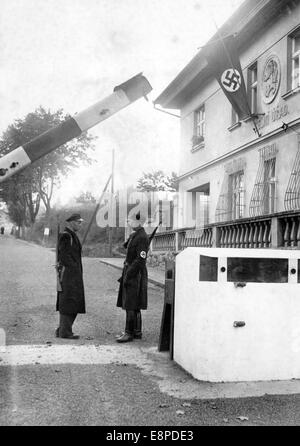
(71,299)
(134,281)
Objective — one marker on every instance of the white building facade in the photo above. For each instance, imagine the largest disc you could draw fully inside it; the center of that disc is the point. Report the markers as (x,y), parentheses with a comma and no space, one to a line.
(246,183)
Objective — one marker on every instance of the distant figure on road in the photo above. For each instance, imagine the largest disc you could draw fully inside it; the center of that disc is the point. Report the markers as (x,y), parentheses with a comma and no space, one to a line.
(132,295)
(71,300)
(2,230)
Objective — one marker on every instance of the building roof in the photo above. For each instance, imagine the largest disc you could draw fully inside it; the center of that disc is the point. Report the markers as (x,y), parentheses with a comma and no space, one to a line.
(247,22)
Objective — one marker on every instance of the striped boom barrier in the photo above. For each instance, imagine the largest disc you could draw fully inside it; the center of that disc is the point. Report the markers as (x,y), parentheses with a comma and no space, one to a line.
(123,95)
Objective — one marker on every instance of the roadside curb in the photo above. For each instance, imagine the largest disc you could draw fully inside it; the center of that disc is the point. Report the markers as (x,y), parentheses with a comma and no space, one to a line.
(150,279)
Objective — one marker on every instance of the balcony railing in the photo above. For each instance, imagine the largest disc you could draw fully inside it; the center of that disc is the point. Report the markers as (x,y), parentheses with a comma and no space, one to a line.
(255,234)
(290,230)
(272,231)
(195,237)
(164,241)
(182,238)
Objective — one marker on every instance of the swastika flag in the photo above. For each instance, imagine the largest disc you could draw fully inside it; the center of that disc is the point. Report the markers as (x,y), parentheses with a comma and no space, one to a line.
(223,60)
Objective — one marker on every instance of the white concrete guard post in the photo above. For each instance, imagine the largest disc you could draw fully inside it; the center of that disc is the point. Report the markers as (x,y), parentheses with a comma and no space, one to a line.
(237,314)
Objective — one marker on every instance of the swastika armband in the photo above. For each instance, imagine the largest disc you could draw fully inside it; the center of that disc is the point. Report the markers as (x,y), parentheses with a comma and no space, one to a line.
(143,254)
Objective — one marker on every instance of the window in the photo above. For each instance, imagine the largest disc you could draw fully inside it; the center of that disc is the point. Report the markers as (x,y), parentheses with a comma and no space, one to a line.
(257,270)
(200,205)
(208,269)
(292,194)
(235,120)
(200,122)
(252,87)
(199,126)
(236,195)
(263,199)
(296,61)
(234,117)
(269,185)
(243,269)
(293,62)
(231,201)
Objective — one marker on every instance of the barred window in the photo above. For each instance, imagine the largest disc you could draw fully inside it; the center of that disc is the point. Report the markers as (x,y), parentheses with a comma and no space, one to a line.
(270,184)
(263,199)
(292,194)
(231,201)
(237,195)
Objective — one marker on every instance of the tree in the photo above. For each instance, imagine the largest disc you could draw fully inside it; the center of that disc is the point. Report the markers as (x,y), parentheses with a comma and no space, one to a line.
(157,181)
(86,198)
(24,192)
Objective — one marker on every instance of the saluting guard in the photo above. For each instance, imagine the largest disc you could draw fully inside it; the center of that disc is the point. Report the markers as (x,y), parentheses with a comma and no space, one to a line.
(133,293)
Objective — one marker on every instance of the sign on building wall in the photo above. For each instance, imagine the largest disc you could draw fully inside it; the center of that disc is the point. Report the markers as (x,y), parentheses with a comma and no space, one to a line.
(270,86)
(271,78)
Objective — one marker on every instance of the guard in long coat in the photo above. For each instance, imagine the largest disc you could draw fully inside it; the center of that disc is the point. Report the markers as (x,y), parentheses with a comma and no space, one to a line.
(132,295)
(71,299)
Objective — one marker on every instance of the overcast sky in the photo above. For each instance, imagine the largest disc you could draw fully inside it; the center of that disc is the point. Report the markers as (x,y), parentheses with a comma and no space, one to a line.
(71,53)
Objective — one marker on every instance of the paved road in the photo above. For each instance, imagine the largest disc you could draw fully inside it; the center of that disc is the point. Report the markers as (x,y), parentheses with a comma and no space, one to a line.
(95,381)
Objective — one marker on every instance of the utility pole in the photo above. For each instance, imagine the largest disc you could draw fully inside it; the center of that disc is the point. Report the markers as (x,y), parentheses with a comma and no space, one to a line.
(95,212)
(112,207)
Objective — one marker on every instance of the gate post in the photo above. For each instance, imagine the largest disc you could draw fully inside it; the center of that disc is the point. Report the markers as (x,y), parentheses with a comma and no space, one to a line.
(167,322)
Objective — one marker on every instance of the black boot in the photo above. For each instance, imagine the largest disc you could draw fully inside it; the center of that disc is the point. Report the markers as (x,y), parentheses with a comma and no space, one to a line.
(125,338)
(137,334)
(129,327)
